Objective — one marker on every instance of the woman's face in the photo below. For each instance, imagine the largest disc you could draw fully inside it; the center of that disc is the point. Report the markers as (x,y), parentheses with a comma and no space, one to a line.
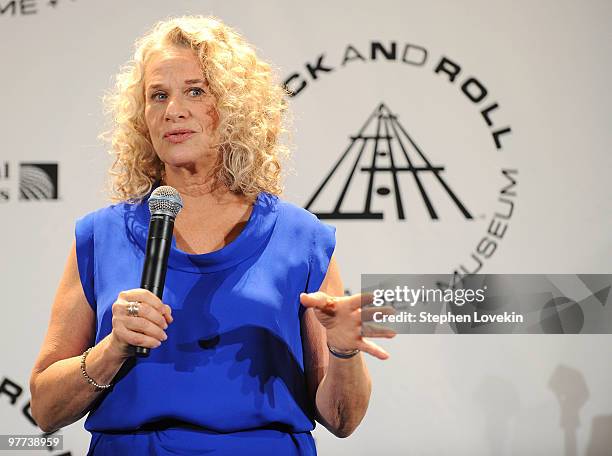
(179,109)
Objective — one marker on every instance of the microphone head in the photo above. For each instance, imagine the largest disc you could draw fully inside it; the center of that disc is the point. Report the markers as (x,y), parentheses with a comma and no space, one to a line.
(165,200)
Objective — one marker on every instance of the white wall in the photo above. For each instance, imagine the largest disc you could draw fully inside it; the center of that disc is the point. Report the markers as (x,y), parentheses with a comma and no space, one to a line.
(545,63)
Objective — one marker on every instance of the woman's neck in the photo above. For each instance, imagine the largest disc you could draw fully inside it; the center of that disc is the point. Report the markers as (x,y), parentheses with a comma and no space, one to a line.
(202,194)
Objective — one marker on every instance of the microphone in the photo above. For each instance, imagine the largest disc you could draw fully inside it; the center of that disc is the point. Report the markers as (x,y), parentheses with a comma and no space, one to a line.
(164,204)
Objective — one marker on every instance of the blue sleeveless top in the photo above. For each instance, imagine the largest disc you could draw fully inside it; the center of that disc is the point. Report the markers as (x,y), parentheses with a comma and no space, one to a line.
(230,377)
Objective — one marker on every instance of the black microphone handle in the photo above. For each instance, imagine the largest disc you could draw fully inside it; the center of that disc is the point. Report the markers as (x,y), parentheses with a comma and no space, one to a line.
(153,278)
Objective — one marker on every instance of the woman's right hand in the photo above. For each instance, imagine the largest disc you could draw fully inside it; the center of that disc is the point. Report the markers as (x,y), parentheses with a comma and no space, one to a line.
(144,330)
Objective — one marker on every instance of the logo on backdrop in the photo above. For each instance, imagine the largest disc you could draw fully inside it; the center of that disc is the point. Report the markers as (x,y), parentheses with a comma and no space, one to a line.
(377,144)
(37,181)
(27,7)
(388,173)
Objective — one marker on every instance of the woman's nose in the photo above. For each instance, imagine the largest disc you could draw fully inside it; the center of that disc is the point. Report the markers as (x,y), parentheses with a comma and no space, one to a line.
(175,109)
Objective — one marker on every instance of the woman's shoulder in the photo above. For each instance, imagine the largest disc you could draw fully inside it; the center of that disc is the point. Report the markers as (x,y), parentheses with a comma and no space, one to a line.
(116,211)
(296,213)
(300,221)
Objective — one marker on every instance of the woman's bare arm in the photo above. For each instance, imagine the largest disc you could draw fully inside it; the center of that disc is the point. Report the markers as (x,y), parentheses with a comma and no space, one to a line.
(60,393)
(339,388)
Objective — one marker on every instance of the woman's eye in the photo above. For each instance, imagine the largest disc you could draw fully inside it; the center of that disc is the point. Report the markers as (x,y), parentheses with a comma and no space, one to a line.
(194,92)
(197,91)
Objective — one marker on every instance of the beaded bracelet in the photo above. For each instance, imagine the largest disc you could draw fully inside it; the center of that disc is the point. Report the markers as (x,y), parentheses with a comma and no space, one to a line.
(342,354)
(87,377)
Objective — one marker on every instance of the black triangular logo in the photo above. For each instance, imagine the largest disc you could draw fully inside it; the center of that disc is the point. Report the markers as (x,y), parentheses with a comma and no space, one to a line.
(382,145)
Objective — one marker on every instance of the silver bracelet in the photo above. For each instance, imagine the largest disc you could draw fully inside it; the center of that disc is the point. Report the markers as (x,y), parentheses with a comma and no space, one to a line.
(87,377)
(342,354)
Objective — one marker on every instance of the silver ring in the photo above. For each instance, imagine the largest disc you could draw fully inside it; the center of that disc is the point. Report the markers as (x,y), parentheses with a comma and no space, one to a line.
(133,308)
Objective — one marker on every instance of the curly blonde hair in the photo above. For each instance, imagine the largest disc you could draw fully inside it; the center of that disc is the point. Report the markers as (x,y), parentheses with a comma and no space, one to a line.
(250,105)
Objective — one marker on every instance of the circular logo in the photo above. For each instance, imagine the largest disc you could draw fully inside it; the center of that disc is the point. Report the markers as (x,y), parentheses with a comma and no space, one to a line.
(411,149)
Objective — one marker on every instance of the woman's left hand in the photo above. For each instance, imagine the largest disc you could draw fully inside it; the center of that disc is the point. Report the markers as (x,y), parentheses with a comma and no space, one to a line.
(342,319)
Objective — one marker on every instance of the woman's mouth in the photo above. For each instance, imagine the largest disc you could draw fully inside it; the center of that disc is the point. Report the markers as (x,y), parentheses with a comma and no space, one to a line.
(176,138)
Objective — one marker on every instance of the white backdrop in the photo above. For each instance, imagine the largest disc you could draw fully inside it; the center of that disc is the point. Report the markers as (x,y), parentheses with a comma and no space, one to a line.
(545,64)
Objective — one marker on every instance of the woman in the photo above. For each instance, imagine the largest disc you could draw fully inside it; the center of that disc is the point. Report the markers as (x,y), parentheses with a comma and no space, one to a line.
(251,344)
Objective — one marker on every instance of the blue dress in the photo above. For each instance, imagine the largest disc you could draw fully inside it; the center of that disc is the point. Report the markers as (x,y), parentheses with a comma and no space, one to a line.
(229,380)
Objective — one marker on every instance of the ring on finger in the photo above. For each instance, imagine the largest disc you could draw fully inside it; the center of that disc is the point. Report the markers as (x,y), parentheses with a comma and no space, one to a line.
(133,308)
